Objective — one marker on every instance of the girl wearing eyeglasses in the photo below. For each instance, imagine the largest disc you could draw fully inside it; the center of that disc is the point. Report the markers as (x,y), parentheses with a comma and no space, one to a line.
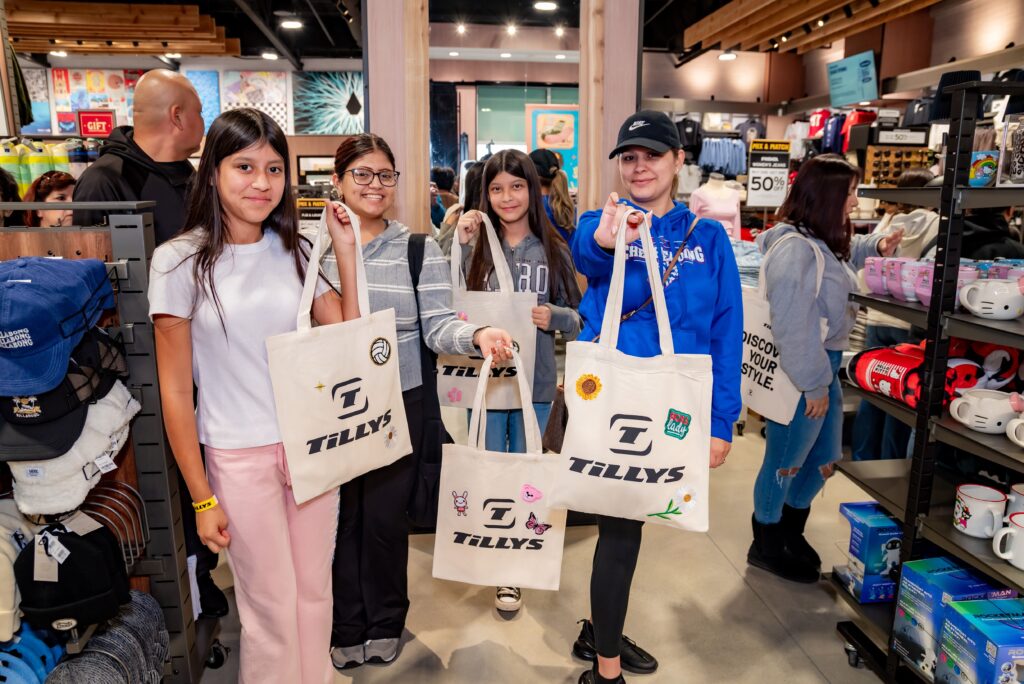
(371,597)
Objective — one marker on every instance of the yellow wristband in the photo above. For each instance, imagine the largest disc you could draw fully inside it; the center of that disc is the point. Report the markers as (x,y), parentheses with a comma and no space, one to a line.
(205,505)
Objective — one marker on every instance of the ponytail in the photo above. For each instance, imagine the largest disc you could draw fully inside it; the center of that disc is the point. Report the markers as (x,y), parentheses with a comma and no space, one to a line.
(561,202)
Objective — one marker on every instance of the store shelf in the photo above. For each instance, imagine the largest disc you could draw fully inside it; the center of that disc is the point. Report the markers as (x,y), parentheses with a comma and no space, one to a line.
(887,482)
(918,197)
(1009,333)
(901,412)
(969,198)
(911,312)
(875,619)
(937,527)
(993,448)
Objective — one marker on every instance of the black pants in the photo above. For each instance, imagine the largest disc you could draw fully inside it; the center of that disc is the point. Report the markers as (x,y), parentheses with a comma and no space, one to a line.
(618,546)
(371,559)
(206,560)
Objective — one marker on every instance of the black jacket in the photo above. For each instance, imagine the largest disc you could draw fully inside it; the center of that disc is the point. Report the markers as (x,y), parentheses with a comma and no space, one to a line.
(986,236)
(124,173)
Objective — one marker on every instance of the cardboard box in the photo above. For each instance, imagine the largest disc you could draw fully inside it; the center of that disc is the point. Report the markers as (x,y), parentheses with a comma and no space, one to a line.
(927,588)
(983,643)
(865,588)
(875,538)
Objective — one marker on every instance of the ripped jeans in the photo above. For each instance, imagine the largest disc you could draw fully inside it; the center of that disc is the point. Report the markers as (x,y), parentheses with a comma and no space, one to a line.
(799,457)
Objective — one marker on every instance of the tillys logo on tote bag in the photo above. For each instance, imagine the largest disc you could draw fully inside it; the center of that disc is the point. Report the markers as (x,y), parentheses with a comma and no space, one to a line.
(348,394)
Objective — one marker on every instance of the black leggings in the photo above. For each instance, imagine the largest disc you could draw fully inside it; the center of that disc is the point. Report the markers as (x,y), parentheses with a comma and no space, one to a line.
(618,546)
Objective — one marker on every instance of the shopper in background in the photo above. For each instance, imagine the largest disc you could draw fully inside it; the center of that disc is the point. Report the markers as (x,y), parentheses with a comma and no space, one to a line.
(555,185)
(876,434)
(52,186)
(706,314)
(150,161)
(444,178)
(799,457)
(371,593)
(539,261)
(987,235)
(9,193)
(230,280)
(471,200)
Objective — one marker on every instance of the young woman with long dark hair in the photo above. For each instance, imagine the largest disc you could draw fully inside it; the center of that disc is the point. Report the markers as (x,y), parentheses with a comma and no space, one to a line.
(371,593)
(799,457)
(232,278)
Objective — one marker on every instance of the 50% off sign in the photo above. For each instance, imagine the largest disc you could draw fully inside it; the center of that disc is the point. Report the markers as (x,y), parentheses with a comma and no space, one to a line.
(767,173)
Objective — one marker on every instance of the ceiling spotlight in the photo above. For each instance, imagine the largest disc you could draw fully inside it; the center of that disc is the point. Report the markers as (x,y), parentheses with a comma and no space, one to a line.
(460,29)
(172,55)
(291,24)
(727,56)
(775,44)
(58,53)
(821,22)
(545,6)
(807,28)
(511,29)
(559,31)
(785,37)
(505,55)
(453,53)
(268,55)
(559,56)
(848,11)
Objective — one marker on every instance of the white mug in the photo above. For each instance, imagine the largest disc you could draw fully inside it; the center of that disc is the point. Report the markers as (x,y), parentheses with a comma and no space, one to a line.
(983,410)
(999,300)
(1015,431)
(1015,549)
(1015,501)
(978,511)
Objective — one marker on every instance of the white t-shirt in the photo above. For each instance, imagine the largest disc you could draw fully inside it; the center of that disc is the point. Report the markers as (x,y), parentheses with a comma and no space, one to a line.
(259,293)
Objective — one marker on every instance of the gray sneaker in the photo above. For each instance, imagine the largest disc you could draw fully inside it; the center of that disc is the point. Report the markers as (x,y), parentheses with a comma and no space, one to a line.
(380,651)
(347,657)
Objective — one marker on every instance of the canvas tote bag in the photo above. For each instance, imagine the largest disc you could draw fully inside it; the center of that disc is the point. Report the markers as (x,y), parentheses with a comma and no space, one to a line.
(337,389)
(765,386)
(637,444)
(506,309)
(495,524)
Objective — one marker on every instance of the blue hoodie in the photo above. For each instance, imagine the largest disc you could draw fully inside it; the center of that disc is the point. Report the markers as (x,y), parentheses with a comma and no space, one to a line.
(705,304)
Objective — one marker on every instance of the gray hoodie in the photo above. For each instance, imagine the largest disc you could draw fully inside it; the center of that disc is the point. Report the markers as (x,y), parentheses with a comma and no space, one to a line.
(796,311)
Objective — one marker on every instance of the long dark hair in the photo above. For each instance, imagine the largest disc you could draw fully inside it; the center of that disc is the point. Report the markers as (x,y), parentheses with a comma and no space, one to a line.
(231,132)
(560,268)
(816,203)
(357,146)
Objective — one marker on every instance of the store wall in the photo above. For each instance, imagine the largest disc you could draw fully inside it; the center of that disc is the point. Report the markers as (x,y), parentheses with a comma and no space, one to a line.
(705,78)
(501,110)
(815,67)
(968,28)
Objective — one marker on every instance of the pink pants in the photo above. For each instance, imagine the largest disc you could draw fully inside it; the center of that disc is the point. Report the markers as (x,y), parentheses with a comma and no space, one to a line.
(280,554)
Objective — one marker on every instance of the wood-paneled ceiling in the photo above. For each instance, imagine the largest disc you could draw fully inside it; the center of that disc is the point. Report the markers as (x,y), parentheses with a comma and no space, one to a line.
(788,25)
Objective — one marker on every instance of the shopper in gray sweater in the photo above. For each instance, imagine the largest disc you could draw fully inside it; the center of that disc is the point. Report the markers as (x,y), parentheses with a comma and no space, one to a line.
(370,582)
(800,456)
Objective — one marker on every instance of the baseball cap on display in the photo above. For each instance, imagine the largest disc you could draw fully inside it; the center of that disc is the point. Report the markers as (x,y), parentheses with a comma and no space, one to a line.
(90,274)
(647,128)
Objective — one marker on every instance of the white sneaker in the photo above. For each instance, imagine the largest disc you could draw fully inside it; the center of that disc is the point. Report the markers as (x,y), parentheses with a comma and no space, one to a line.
(508,599)
(380,650)
(347,657)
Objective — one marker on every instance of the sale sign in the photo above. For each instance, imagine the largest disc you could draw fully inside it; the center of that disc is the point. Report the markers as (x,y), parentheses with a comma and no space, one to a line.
(767,173)
(96,123)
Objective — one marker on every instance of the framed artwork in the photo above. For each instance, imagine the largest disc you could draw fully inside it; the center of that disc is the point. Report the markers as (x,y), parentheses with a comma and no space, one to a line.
(328,102)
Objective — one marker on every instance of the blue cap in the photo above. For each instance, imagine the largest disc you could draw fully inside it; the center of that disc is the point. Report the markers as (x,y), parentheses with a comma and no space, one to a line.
(89,274)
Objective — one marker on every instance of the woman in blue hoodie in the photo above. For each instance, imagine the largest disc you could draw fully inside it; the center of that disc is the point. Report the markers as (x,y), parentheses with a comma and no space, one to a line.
(706,313)
(799,457)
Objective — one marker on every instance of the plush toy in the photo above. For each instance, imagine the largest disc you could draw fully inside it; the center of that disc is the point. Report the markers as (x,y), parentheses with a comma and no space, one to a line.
(896,372)
(999,364)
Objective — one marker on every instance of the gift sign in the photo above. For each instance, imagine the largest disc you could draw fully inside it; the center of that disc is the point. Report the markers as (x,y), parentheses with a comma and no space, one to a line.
(96,123)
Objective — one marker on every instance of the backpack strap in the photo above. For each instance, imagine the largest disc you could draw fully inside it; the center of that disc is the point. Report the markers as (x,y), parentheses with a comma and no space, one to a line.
(428,359)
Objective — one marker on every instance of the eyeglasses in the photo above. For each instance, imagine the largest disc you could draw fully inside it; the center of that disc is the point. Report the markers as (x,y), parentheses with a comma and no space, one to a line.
(362,176)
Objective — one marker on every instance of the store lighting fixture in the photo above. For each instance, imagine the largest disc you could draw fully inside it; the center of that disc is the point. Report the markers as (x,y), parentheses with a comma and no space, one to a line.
(172,55)
(864,104)
(821,22)
(559,31)
(58,53)
(727,56)
(511,29)
(807,28)
(506,55)
(485,109)
(545,6)
(785,37)
(775,45)
(460,29)
(559,56)
(291,24)
(848,11)
(268,55)
(453,53)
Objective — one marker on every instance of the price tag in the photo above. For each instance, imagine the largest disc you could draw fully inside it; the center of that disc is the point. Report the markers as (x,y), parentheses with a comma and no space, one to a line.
(768,173)
(55,549)
(105,463)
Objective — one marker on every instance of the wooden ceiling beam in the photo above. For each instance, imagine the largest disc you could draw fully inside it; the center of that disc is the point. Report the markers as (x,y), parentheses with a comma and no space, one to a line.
(787,19)
(866,20)
(719,21)
(113,32)
(58,22)
(106,10)
(230,46)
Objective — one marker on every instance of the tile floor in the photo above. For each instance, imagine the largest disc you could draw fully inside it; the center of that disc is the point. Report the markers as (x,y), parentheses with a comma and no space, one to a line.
(695,604)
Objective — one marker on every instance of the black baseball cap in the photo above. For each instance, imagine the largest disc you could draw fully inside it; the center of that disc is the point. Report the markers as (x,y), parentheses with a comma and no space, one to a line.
(647,128)
(544,160)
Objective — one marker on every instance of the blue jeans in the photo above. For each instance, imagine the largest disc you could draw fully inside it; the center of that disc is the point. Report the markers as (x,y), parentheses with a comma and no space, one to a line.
(799,457)
(505,431)
(876,434)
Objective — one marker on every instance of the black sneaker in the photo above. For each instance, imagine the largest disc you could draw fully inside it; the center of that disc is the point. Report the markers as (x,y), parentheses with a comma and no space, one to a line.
(212,601)
(589,677)
(633,658)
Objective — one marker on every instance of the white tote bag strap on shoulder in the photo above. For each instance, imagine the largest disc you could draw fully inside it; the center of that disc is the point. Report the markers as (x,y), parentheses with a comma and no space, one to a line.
(321,245)
(819,259)
(478,423)
(497,256)
(616,288)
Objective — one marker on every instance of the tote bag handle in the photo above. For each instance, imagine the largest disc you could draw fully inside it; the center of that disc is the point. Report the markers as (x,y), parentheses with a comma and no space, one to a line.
(613,305)
(818,258)
(320,245)
(497,256)
(478,423)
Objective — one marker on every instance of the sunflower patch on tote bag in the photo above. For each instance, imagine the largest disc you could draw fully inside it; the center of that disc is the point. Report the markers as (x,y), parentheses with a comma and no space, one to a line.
(638,441)
(337,389)
(495,524)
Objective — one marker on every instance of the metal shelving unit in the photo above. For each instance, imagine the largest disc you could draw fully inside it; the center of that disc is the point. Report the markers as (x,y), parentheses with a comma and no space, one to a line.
(908,491)
(902,412)
(164,562)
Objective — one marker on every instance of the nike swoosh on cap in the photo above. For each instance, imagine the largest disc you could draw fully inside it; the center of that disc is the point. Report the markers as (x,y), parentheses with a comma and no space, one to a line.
(637,124)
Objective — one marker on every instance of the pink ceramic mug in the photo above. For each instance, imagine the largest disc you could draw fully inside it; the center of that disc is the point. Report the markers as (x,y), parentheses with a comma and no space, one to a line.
(892,275)
(874,274)
(1015,273)
(908,280)
(999,271)
(923,284)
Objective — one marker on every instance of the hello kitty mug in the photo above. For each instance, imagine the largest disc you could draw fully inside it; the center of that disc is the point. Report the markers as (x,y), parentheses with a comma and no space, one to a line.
(1015,431)
(1014,501)
(909,272)
(874,274)
(999,300)
(978,510)
(1015,549)
(983,410)
(892,275)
